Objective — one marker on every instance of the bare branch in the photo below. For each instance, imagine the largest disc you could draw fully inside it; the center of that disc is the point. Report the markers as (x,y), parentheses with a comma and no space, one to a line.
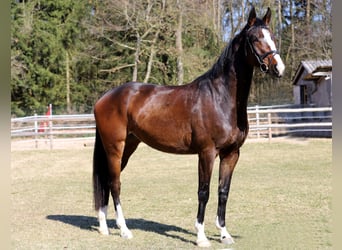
(112,70)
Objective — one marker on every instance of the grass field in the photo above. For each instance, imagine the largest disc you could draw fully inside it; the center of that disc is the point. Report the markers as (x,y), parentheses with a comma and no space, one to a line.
(280,199)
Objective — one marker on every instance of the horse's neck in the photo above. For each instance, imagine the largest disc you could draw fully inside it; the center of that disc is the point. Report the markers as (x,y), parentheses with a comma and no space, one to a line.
(243,85)
(239,87)
(237,71)
(232,73)
(243,88)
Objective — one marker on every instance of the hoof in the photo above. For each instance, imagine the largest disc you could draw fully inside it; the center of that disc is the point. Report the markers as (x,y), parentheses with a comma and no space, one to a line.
(227,240)
(203,243)
(126,234)
(103,231)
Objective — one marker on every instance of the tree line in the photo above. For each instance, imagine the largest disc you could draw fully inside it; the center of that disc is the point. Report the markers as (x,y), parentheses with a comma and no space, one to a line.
(69,53)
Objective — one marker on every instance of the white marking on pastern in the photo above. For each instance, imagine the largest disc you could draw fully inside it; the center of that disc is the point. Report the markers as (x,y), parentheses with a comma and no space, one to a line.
(226,238)
(121,223)
(102,217)
(202,240)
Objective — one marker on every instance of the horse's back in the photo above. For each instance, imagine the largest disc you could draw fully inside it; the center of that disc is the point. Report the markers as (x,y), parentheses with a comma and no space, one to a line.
(116,99)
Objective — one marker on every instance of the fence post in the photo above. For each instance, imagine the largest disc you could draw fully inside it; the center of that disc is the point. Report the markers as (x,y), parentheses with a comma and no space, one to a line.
(35,130)
(257,120)
(269,126)
(50,127)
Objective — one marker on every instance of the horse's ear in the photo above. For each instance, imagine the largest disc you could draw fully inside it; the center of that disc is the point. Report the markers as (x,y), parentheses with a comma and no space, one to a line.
(252,17)
(267,16)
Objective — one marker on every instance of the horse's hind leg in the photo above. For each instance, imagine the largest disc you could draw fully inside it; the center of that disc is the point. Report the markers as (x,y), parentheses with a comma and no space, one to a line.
(115,153)
(100,183)
(131,145)
(102,214)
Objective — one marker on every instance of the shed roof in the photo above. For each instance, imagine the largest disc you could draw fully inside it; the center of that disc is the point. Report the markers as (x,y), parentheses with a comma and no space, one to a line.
(314,68)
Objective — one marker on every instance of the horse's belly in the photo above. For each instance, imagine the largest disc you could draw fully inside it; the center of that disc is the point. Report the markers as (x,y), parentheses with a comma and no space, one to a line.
(167,141)
(165,135)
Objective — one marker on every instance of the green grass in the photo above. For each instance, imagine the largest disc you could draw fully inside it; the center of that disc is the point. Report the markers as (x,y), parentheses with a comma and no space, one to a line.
(280,199)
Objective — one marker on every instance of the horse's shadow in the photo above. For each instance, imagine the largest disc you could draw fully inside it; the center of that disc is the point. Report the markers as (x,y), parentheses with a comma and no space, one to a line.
(91,224)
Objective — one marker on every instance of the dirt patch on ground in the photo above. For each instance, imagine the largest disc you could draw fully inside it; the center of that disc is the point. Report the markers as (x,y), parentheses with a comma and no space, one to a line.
(46,144)
(293,140)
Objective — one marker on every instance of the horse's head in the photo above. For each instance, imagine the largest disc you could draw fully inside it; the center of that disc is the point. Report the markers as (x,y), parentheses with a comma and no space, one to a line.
(260,46)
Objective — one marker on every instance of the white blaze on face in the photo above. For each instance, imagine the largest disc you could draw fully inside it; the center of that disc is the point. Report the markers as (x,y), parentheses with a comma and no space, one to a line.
(267,39)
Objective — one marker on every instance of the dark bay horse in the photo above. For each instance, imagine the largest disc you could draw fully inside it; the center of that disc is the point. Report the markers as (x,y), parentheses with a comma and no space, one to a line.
(207,117)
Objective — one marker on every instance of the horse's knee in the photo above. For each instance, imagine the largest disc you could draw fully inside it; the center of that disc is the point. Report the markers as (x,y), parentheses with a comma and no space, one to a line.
(203,193)
(223,195)
(203,196)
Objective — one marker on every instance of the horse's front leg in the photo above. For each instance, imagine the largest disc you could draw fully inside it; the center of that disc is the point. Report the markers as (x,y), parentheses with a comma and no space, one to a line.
(205,167)
(227,165)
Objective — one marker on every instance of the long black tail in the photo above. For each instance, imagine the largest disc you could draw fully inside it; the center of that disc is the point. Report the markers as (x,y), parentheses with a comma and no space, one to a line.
(100,174)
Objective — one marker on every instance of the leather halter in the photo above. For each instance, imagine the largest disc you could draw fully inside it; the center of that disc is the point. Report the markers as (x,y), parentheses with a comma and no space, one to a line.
(263,66)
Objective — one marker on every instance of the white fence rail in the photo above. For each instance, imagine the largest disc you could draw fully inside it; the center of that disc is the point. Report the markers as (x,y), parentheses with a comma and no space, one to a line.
(307,122)
(53,127)
(265,122)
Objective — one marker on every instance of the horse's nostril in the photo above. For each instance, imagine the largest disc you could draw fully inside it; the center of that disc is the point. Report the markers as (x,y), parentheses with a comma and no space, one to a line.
(276,71)
(278,74)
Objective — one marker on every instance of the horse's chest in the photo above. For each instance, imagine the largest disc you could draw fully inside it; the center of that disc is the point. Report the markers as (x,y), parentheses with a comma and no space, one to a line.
(221,127)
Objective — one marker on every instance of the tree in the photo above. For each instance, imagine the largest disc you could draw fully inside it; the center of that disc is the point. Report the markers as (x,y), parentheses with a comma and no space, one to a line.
(43,33)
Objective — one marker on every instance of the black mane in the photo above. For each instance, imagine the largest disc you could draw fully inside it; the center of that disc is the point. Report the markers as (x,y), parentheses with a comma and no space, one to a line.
(227,56)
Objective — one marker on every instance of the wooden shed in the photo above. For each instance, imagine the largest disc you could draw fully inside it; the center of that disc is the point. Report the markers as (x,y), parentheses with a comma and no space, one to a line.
(312,83)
